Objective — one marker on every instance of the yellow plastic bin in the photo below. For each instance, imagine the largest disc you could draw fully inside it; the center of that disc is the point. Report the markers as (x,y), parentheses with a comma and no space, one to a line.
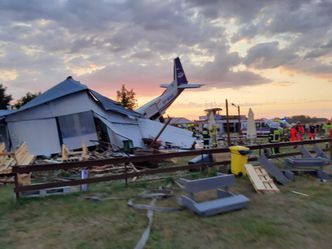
(239,157)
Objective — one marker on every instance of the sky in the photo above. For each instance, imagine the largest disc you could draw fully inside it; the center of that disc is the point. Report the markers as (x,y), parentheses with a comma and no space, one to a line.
(273,56)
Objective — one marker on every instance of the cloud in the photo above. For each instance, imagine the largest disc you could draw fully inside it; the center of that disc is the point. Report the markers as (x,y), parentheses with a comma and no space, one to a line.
(219,74)
(107,43)
(268,55)
(242,10)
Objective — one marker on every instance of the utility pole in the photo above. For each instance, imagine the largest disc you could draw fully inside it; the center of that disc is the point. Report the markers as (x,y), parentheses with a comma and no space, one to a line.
(330,145)
(227,125)
(239,118)
(238,112)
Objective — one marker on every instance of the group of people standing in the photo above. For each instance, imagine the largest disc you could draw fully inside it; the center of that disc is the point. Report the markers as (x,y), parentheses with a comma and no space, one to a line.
(298,131)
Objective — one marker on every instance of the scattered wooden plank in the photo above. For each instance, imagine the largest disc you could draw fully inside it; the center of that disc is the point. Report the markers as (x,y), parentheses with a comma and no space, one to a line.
(2,148)
(24,179)
(299,193)
(74,156)
(260,179)
(23,156)
(6,160)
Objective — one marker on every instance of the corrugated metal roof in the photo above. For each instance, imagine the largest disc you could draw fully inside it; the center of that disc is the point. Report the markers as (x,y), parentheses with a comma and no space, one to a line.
(70,86)
(111,105)
(180,120)
(3,113)
(66,87)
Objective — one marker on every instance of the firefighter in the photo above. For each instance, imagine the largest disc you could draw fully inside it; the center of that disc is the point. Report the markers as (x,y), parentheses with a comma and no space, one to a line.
(312,132)
(285,134)
(275,137)
(206,137)
(328,129)
(300,131)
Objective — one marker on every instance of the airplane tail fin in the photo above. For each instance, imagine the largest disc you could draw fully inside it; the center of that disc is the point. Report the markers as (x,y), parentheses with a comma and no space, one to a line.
(179,75)
(179,78)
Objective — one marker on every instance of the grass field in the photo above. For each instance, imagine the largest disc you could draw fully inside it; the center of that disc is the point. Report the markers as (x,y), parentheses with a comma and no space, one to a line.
(284,220)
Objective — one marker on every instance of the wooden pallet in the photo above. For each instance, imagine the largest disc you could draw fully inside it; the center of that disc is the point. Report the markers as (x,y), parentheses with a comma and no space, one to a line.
(260,179)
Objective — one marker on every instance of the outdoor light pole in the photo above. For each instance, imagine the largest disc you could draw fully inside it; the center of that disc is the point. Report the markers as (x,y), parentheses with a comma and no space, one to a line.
(239,117)
(227,125)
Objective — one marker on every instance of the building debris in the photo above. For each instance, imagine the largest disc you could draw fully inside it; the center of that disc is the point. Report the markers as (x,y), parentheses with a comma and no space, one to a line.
(21,156)
(70,113)
(299,193)
(72,156)
(273,170)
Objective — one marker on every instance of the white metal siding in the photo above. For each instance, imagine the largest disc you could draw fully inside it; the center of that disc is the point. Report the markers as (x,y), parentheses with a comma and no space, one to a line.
(40,135)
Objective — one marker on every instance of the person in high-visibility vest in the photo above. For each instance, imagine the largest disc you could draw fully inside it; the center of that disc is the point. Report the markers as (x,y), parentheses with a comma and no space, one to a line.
(206,138)
(275,137)
(328,129)
(285,134)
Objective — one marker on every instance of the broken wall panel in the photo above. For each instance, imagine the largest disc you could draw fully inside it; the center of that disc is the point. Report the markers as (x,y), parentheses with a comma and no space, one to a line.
(41,135)
(176,136)
(119,131)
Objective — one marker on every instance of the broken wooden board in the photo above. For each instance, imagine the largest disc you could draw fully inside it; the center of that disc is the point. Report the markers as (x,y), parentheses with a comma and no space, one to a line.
(2,148)
(260,179)
(6,160)
(24,179)
(23,156)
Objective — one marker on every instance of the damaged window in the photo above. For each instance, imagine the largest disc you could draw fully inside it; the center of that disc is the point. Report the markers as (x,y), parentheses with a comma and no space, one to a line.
(76,124)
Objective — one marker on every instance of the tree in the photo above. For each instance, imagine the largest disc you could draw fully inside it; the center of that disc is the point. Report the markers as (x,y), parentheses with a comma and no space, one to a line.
(126,98)
(305,119)
(25,99)
(4,98)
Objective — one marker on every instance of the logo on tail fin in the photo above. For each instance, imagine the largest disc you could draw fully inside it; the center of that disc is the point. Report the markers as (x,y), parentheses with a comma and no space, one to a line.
(180,75)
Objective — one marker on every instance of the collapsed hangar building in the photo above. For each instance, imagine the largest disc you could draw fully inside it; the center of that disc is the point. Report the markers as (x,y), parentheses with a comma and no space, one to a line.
(70,113)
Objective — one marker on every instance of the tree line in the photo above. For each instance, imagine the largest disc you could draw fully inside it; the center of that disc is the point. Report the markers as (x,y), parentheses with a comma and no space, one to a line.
(303,119)
(5,99)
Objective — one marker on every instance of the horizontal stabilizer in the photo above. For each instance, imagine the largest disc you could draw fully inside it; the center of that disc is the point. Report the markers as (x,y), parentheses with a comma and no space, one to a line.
(189,86)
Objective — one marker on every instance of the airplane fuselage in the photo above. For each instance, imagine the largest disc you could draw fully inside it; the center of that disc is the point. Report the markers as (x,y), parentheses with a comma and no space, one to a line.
(156,107)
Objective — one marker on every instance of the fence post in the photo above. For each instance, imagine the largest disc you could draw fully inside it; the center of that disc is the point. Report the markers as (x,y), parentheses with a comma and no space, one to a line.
(330,145)
(126,179)
(17,194)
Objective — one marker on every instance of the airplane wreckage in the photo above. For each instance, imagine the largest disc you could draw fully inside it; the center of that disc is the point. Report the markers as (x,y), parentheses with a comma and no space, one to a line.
(72,114)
